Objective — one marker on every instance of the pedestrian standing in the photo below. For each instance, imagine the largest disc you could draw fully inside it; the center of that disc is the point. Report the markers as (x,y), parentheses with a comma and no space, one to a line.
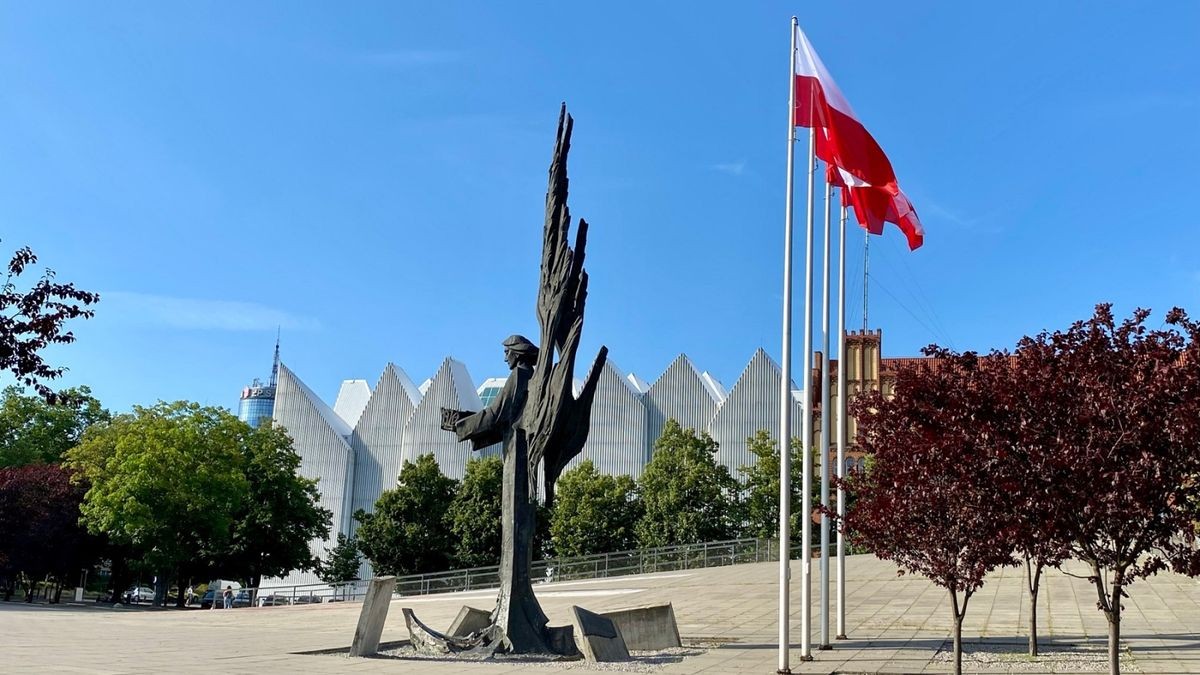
(228,597)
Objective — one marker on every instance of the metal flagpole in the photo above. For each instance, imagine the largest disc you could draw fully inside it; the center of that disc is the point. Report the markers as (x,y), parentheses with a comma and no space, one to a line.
(866,273)
(785,418)
(826,424)
(807,427)
(843,367)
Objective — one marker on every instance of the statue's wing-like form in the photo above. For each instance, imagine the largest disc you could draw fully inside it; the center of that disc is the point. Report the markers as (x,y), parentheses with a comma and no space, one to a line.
(573,433)
(555,421)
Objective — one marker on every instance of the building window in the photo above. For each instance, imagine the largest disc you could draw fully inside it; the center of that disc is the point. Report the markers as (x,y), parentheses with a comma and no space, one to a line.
(489,394)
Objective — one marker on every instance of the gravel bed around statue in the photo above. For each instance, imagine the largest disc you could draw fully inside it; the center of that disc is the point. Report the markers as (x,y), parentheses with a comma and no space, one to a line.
(1011,657)
(643,661)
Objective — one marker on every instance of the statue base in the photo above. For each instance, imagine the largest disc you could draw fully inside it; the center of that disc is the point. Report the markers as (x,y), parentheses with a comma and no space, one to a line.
(484,642)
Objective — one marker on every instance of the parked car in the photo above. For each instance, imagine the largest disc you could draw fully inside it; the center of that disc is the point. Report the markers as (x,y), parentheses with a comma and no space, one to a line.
(274,600)
(241,598)
(136,594)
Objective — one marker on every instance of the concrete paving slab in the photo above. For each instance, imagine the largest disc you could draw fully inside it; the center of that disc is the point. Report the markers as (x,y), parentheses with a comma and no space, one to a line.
(893,622)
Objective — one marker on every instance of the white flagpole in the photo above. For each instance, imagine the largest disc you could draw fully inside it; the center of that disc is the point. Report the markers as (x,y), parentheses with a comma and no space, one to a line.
(826,424)
(841,429)
(785,418)
(807,427)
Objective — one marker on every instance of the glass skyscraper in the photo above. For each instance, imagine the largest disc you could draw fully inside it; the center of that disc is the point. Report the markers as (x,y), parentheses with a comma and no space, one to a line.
(258,400)
(257,404)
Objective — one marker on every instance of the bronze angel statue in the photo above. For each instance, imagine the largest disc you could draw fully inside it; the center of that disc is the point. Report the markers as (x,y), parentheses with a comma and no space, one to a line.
(542,423)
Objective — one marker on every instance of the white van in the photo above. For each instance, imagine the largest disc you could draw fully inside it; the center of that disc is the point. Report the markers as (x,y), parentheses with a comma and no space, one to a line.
(217,587)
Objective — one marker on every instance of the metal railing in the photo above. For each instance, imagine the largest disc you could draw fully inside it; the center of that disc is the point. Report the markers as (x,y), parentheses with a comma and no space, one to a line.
(599,566)
(307,594)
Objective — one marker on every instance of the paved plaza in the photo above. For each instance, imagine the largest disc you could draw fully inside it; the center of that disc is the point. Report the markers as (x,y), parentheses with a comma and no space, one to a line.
(896,625)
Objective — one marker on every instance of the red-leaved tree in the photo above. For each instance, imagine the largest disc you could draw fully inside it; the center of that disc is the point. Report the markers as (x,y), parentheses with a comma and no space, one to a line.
(32,319)
(1027,418)
(929,501)
(1123,404)
(43,540)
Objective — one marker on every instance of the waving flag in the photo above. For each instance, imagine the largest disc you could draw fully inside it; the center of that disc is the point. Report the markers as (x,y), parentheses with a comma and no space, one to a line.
(875,206)
(863,170)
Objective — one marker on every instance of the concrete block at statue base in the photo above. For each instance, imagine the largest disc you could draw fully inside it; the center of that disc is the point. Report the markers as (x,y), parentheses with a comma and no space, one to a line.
(646,628)
(372,616)
(598,638)
(561,640)
(469,620)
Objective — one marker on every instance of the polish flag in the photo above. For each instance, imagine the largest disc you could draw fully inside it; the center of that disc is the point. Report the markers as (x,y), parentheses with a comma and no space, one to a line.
(842,142)
(875,206)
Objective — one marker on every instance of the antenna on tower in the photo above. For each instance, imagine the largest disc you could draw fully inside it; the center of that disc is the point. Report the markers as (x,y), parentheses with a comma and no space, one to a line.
(275,363)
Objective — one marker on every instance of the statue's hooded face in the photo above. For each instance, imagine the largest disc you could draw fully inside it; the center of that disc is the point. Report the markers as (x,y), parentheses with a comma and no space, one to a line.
(519,350)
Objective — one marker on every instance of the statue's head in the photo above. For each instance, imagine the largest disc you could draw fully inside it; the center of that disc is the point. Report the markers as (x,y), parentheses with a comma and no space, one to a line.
(519,350)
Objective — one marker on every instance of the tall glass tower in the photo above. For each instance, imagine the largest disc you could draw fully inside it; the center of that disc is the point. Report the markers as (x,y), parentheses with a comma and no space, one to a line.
(258,400)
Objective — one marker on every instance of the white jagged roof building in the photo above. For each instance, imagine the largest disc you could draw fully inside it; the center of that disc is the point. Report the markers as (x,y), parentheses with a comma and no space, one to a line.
(356,447)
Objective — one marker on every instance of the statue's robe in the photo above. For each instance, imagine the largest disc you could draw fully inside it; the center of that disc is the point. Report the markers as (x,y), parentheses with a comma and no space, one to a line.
(499,420)
(517,611)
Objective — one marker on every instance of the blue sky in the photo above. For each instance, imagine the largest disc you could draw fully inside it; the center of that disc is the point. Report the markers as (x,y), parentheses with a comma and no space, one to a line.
(370,177)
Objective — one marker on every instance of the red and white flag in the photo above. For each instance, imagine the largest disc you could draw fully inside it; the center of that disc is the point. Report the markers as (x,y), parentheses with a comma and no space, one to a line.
(875,206)
(863,171)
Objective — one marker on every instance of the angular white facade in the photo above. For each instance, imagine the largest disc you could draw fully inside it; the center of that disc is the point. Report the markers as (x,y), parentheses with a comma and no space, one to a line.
(617,426)
(378,437)
(351,400)
(321,439)
(356,449)
(683,395)
(751,405)
(451,387)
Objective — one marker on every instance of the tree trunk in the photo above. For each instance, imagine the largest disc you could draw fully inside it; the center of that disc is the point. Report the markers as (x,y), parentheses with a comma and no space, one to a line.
(161,588)
(958,645)
(115,578)
(1033,577)
(1114,631)
(957,632)
(181,597)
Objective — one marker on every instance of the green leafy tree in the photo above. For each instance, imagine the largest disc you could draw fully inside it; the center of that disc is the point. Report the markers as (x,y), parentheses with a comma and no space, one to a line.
(271,532)
(33,431)
(687,496)
(762,487)
(542,546)
(593,512)
(341,562)
(475,513)
(167,482)
(409,532)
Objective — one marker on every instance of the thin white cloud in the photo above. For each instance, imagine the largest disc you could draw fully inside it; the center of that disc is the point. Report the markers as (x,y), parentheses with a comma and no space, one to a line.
(980,223)
(732,168)
(197,314)
(410,58)
(1139,105)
